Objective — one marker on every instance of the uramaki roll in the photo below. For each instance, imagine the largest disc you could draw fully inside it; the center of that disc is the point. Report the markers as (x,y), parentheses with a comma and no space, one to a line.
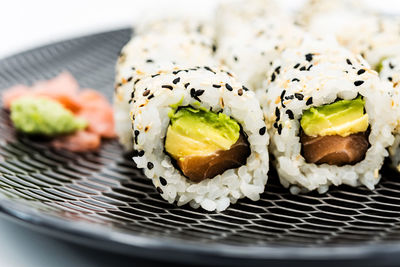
(200,136)
(330,117)
(390,71)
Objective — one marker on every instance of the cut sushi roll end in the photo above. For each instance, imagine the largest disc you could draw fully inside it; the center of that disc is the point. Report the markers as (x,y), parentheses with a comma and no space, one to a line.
(335,133)
(205,144)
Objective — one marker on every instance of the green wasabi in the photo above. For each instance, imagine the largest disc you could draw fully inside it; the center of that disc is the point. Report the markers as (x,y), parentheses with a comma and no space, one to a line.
(41,116)
(200,132)
(344,117)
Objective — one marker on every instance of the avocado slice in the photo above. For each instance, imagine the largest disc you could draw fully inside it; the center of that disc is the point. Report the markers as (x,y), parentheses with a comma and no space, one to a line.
(205,144)
(199,132)
(344,117)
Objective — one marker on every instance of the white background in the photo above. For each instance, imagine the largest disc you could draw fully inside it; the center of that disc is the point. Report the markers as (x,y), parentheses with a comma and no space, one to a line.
(28,23)
(25,24)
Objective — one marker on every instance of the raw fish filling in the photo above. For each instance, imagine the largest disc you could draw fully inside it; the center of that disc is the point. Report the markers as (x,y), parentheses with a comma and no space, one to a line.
(205,144)
(335,134)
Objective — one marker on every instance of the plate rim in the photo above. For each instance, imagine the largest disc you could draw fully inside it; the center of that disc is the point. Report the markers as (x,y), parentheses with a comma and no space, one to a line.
(16,209)
(81,229)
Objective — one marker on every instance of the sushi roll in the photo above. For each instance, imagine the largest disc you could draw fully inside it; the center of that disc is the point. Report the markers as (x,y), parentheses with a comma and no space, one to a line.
(390,71)
(249,40)
(355,26)
(200,136)
(382,43)
(158,50)
(184,24)
(329,116)
(315,10)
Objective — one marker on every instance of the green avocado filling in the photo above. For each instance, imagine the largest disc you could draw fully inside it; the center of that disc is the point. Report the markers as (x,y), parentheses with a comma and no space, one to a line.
(41,116)
(344,117)
(199,132)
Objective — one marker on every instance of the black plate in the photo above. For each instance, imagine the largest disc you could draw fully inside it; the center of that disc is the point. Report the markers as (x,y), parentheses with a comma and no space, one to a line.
(100,199)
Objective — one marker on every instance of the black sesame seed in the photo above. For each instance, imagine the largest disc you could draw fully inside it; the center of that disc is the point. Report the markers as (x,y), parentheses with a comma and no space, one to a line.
(159,190)
(245,88)
(150,97)
(141,153)
(309,67)
(273,77)
(290,114)
(129,79)
(186,85)
(277,70)
(150,165)
(155,75)
(262,130)
(277,113)
(146,93)
(390,79)
(283,94)
(228,87)
(167,87)
(349,62)
(199,92)
(280,129)
(216,86)
(296,66)
(136,134)
(149,61)
(163,181)
(176,72)
(361,71)
(309,57)
(299,96)
(235,58)
(130,101)
(295,80)
(194,94)
(289,97)
(133,94)
(358,83)
(209,69)
(309,101)
(138,80)
(177,80)
(391,66)
(119,84)
(303,68)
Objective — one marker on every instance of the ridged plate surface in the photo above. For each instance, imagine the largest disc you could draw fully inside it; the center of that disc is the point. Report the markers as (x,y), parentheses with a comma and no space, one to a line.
(103,197)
